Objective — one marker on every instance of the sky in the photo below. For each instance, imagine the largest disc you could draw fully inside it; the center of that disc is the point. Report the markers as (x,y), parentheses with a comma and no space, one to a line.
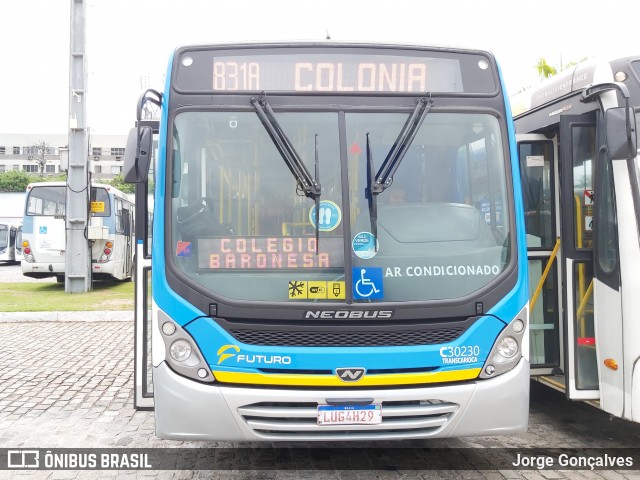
(128,42)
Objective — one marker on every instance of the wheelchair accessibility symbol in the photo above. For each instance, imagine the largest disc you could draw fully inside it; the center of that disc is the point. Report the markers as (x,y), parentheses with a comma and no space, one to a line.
(367,283)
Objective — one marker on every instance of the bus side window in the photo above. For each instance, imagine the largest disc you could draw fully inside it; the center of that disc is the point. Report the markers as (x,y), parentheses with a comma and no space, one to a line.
(120,226)
(125,217)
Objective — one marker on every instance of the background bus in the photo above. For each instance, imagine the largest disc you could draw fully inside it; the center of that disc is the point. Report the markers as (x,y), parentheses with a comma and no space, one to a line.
(8,233)
(110,231)
(580,179)
(19,255)
(296,295)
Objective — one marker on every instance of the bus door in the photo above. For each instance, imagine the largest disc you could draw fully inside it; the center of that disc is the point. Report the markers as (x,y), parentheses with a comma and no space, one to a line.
(538,170)
(593,313)
(127,227)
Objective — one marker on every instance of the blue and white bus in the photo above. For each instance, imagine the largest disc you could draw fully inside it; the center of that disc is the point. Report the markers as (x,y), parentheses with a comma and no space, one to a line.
(338,246)
(577,141)
(110,232)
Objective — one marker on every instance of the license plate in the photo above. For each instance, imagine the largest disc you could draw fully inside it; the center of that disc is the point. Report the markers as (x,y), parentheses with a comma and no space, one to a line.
(349,414)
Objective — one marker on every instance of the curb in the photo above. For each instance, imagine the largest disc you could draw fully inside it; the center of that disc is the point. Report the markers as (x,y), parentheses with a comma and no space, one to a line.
(102,316)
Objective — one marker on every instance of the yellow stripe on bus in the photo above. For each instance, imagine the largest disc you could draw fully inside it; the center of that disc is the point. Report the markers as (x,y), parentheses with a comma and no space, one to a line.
(334,381)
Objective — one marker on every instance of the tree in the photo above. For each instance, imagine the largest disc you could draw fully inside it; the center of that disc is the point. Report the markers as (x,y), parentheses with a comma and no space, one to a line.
(39,155)
(14,181)
(118,182)
(545,70)
(17,180)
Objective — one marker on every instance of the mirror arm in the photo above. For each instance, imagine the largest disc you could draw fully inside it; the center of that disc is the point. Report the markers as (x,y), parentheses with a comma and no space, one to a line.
(594,92)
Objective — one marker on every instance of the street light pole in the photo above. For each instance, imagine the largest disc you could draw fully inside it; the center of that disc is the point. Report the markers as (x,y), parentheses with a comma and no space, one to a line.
(78,252)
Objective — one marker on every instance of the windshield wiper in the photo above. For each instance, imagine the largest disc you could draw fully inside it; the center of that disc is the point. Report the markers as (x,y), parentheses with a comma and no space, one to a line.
(384,178)
(317,197)
(309,185)
(371,197)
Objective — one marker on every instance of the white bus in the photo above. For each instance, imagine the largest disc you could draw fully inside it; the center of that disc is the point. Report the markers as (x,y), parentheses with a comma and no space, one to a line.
(8,233)
(110,231)
(582,212)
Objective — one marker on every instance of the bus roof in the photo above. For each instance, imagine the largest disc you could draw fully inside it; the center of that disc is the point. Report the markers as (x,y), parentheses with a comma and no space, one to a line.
(111,188)
(567,83)
(330,44)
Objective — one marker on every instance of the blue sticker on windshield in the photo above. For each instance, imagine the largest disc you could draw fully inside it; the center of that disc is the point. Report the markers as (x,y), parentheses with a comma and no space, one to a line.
(367,283)
(329,218)
(365,245)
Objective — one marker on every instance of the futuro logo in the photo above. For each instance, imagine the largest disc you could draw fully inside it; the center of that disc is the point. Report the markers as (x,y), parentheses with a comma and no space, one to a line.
(223,356)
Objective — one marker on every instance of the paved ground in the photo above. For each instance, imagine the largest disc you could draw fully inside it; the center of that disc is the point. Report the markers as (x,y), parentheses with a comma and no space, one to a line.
(68,384)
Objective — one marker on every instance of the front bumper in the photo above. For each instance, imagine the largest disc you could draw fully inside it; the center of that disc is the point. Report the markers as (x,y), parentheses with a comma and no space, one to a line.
(188,410)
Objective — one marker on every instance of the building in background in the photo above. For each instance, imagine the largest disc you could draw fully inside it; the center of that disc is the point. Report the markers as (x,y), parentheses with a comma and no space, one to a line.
(105,153)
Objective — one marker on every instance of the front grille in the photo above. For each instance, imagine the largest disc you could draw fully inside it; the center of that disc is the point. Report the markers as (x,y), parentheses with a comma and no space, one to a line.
(341,338)
(407,419)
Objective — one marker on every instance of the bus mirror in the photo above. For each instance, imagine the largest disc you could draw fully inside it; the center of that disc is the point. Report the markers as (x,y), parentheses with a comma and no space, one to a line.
(137,155)
(621,133)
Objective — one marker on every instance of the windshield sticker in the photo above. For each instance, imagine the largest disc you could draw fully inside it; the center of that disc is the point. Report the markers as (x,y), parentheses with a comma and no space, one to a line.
(329,218)
(365,245)
(97,207)
(183,249)
(367,283)
(316,289)
(277,253)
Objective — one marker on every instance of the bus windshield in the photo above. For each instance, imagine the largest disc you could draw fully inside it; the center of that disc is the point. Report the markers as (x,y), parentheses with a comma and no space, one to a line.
(4,236)
(50,200)
(47,200)
(242,227)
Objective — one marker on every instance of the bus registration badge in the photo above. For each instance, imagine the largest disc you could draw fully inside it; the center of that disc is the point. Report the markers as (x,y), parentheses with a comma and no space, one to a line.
(349,414)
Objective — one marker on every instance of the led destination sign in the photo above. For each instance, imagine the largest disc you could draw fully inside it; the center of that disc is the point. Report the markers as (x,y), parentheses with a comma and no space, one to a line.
(338,71)
(273,253)
(376,74)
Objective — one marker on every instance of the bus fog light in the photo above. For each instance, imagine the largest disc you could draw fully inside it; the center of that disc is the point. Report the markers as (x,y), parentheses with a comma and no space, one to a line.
(518,326)
(202,373)
(180,350)
(490,369)
(508,347)
(168,328)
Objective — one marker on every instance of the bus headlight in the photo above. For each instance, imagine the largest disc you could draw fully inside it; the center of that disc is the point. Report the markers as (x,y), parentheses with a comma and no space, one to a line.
(508,347)
(180,350)
(168,328)
(518,326)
